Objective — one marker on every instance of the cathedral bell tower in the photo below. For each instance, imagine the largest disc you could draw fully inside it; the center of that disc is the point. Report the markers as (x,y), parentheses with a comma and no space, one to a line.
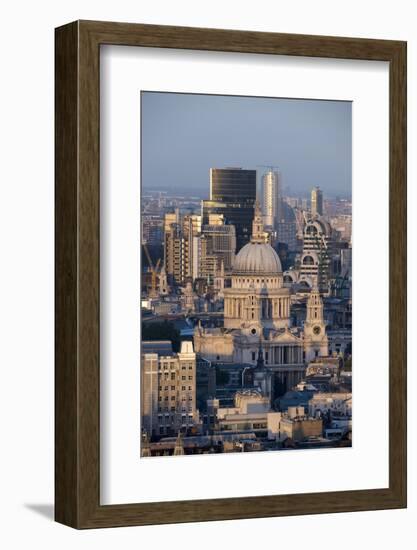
(315,338)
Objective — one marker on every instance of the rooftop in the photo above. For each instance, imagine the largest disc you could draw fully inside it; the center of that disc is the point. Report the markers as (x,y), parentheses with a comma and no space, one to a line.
(161,347)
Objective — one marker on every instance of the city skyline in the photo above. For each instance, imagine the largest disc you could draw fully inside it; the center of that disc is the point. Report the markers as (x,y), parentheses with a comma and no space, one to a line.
(184,135)
(246,303)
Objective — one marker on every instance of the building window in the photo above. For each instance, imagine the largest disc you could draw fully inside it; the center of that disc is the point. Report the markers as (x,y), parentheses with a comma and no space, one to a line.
(172,397)
(190,378)
(253,356)
(173,376)
(183,378)
(172,387)
(166,398)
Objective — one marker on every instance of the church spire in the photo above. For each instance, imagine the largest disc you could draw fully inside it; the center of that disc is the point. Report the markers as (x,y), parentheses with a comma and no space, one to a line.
(179,445)
(258,234)
(146,451)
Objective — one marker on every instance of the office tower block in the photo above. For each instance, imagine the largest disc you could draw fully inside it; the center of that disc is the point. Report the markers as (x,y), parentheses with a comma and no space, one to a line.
(233,195)
(220,241)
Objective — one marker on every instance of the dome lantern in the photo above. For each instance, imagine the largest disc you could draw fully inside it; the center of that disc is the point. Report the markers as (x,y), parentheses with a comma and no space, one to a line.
(257,257)
(258,233)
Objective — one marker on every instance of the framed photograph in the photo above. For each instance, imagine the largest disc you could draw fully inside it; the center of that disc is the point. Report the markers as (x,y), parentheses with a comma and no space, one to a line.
(230,274)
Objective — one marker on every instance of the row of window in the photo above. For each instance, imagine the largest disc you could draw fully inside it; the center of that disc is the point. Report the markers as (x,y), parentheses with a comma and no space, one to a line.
(166,409)
(257,280)
(166,388)
(183,388)
(172,417)
(174,397)
(173,366)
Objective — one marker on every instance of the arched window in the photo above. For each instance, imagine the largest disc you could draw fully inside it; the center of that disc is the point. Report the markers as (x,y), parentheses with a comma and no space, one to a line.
(308,260)
(311,230)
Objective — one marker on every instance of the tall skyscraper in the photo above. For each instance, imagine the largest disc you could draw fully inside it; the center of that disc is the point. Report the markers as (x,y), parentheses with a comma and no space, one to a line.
(232,194)
(271,198)
(316,202)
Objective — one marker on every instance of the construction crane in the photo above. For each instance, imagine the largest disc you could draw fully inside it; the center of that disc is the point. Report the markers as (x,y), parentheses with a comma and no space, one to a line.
(270,167)
(154,271)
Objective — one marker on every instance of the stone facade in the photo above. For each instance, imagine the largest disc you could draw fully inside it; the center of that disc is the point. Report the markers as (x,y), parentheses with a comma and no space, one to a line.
(168,389)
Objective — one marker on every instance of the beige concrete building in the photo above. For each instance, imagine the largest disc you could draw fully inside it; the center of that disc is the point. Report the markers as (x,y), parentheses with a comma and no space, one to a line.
(181,245)
(300,428)
(251,413)
(321,403)
(168,388)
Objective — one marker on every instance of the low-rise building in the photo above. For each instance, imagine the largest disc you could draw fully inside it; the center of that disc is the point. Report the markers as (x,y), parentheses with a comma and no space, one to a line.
(335,403)
(249,413)
(300,428)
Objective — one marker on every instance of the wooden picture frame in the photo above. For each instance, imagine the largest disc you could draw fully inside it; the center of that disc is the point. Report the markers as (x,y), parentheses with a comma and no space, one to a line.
(77,404)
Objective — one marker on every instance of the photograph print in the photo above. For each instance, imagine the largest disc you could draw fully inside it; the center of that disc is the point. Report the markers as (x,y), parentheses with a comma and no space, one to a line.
(246,274)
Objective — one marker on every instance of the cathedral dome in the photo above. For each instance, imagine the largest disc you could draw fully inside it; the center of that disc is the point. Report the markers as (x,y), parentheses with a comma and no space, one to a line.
(257,258)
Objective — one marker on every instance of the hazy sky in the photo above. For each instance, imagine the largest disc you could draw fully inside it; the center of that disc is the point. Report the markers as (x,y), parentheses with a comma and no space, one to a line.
(184,135)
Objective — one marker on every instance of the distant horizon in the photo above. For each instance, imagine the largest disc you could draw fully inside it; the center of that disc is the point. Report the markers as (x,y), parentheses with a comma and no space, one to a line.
(184,135)
(186,192)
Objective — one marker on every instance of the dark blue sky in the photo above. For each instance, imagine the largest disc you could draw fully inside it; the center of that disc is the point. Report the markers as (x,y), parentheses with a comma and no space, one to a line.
(184,135)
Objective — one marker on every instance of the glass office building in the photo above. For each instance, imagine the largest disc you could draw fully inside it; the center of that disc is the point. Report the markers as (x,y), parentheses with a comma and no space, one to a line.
(232,194)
